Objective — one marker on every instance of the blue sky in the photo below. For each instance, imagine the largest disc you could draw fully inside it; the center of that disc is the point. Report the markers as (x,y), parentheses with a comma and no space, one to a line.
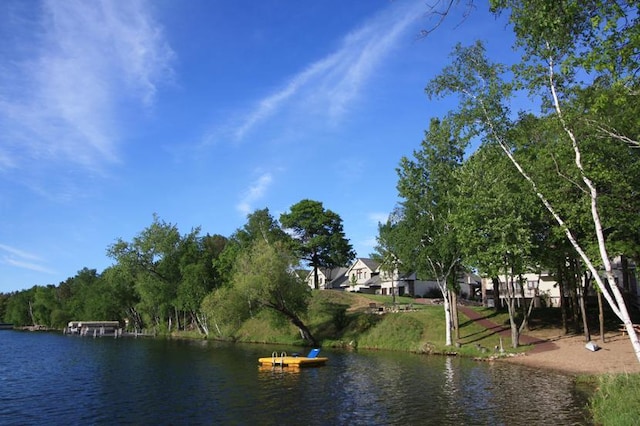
(203,111)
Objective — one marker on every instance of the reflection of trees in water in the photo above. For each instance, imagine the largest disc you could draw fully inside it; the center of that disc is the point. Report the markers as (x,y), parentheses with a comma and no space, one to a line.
(498,393)
(533,393)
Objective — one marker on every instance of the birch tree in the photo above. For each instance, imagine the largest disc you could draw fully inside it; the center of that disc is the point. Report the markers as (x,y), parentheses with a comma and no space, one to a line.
(500,229)
(428,241)
(578,44)
(483,103)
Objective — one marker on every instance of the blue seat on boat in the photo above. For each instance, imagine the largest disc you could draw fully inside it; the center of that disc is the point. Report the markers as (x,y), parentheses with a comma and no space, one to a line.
(313,353)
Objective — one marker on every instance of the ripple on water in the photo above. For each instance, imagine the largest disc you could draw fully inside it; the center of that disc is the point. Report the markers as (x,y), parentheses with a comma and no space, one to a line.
(55,379)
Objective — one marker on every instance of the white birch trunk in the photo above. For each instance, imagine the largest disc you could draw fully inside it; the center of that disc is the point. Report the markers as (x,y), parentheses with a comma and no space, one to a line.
(619,307)
(447,312)
(616,302)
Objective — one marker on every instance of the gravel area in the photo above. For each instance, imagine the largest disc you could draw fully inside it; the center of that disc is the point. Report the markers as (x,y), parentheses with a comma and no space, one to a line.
(569,354)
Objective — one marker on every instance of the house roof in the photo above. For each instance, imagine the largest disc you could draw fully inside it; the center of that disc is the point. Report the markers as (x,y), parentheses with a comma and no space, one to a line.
(340,279)
(369,263)
(374,281)
(334,277)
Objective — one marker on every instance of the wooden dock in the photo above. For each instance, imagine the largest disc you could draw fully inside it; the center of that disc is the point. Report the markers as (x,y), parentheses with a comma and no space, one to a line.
(94,328)
(102,329)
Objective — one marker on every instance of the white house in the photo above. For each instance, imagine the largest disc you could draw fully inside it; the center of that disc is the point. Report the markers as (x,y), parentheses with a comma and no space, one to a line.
(543,288)
(328,278)
(365,276)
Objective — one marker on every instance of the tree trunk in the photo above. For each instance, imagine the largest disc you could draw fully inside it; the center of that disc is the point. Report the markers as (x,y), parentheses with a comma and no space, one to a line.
(295,320)
(515,332)
(447,313)
(582,295)
(304,331)
(33,321)
(600,316)
(563,301)
(455,320)
(524,308)
(201,322)
(315,277)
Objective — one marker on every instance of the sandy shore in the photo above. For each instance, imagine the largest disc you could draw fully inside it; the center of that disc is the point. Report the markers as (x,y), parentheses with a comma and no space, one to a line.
(568,354)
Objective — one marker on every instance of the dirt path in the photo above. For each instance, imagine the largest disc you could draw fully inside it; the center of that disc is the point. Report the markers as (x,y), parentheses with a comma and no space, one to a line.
(568,353)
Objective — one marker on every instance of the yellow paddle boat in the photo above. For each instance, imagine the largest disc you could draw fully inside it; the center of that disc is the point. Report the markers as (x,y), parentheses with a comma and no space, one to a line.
(283,360)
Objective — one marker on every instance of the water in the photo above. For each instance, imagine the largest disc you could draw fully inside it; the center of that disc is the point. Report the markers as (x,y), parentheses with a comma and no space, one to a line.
(54,379)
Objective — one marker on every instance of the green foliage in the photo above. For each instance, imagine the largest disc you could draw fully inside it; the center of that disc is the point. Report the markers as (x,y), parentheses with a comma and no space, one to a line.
(225,311)
(503,228)
(260,226)
(318,235)
(264,275)
(17,308)
(617,400)
(264,278)
(169,272)
(420,235)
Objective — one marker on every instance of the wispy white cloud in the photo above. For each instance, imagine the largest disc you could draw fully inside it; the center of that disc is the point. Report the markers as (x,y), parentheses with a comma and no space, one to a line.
(326,88)
(255,192)
(60,94)
(21,259)
(378,217)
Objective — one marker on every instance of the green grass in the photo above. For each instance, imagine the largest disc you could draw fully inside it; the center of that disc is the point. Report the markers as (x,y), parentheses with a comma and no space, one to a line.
(616,400)
(343,320)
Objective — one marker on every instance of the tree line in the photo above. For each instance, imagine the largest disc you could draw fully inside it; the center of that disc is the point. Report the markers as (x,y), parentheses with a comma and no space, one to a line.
(165,281)
(553,190)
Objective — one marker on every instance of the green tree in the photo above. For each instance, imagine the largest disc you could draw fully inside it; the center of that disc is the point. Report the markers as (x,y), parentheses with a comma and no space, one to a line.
(265,277)
(44,304)
(152,259)
(4,298)
(121,283)
(260,225)
(483,98)
(18,308)
(318,236)
(502,232)
(197,277)
(386,252)
(428,240)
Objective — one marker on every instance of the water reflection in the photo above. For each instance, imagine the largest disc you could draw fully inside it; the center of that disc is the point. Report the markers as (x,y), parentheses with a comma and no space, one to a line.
(100,381)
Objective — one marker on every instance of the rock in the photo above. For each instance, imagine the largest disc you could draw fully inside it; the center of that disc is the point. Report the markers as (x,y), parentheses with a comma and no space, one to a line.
(592,346)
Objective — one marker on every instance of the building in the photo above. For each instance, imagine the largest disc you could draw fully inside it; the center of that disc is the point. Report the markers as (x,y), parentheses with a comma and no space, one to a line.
(366,276)
(328,278)
(545,290)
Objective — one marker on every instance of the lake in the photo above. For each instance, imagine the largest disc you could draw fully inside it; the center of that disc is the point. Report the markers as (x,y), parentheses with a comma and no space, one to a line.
(48,378)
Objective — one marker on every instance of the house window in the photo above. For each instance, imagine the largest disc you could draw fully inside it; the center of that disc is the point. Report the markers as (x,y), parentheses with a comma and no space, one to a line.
(532,285)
